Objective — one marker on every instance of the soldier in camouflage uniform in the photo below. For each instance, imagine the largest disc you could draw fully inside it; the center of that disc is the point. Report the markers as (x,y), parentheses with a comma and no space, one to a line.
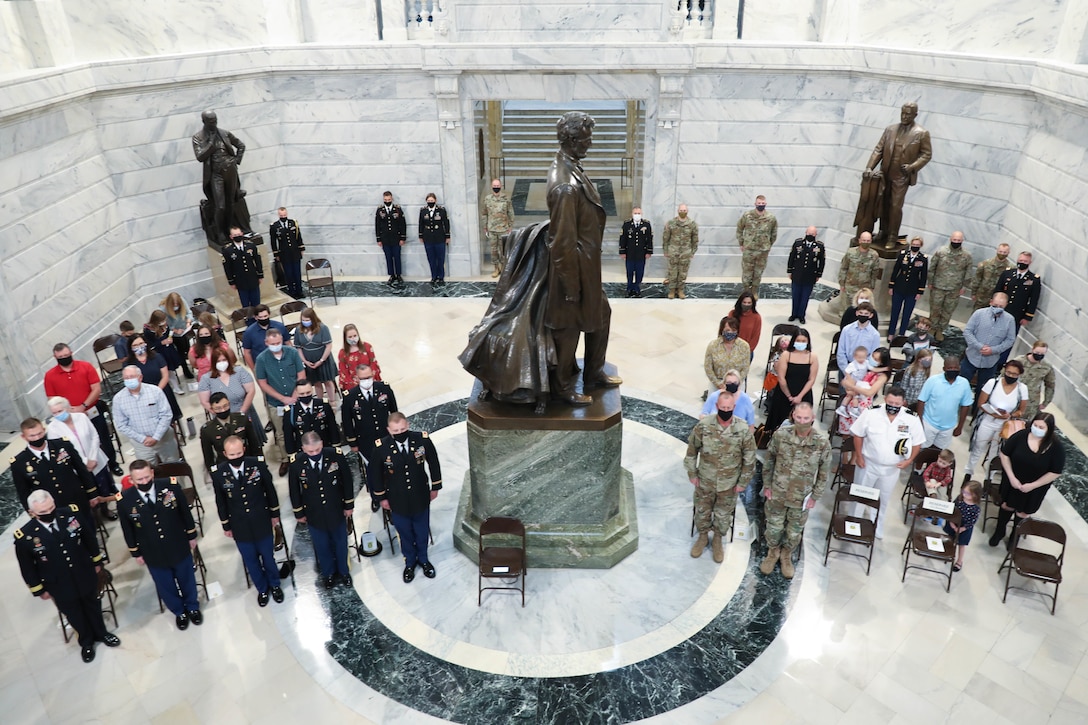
(950,271)
(860,267)
(1037,373)
(498,221)
(678,243)
(720,462)
(986,275)
(757,230)
(798,465)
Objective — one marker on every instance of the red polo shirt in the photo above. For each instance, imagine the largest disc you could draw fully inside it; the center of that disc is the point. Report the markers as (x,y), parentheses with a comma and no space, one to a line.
(74,384)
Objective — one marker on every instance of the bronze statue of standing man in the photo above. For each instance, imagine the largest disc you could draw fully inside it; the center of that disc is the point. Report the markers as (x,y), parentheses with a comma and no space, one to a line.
(903,149)
(221,153)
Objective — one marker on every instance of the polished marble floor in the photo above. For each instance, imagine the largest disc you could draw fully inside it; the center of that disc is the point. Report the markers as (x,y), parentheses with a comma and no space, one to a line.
(660,637)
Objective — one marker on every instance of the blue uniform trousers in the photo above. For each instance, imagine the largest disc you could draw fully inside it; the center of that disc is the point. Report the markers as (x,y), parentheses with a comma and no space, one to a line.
(331,548)
(249,297)
(292,278)
(800,292)
(392,258)
(260,560)
(176,585)
(436,258)
(906,304)
(636,265)
(414,532)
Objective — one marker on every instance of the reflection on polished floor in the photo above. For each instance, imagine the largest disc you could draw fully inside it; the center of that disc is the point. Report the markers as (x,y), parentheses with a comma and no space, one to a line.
(840,647)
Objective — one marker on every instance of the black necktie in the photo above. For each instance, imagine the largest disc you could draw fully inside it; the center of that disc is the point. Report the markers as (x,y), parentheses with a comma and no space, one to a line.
(53,528)
(148,499)
(404,448)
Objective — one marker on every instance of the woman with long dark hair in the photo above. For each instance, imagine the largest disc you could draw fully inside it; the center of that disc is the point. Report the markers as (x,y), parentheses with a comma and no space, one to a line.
(797,370)
(1031,460)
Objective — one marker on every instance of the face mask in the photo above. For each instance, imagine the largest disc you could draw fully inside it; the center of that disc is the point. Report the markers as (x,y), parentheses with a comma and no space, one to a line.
(400,437)
(315,458)
(800,345)
(305,399)
(283,218)
(725,415)
(1002,257)
(205,339)
(955,245)
(1021,266)
(1038,355)
(730,336)
(307,323)
(64,361)
(177,309)
(864,299)
(951,375)
(996,310)
(732,387)
(863,242)
(139,350)
(872,364)
(809,238)
(37,443)
(1010,380)
(926,363)
(760,207)
(264,323)
(366,383)
(222,366)
(47,518)
(353,341)
(132,383)
(276,348)
(802,427)
(223,415)
(636,218)
(62,416)
(496,189)
(915,250)
(745,306)
(145,487)
(1038,431)
(236,240)
(863,319)
(682,214)
(430,205)
(893,409)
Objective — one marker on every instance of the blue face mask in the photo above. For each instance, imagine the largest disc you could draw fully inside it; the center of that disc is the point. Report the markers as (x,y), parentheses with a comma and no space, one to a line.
(801,346)
(132,383)
(62,416)
(307,323)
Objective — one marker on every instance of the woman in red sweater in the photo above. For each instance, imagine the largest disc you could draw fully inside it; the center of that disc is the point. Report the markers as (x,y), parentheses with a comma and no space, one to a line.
(751,324)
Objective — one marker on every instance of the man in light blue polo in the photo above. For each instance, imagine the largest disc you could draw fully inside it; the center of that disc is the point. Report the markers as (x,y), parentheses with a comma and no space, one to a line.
(943,405)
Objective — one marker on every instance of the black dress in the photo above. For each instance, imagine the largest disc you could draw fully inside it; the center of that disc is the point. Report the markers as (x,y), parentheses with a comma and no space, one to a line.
(796,377)
(1029,466)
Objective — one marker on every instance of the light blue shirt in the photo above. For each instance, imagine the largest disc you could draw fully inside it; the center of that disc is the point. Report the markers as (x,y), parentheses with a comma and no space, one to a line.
(943,401)
(985,328)
(744,408)
(853,337)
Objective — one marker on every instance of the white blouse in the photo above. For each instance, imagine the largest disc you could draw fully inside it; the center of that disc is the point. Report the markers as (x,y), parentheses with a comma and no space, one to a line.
(82,435)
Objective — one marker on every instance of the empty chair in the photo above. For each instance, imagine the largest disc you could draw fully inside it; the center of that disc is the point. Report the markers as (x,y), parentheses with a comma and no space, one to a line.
(922,533)
(505,561)
(291,308)
(239,321)
(844,472)
(991,491)
(1034,564)
(109,363)
(319,276)
(854,530)
(829,397)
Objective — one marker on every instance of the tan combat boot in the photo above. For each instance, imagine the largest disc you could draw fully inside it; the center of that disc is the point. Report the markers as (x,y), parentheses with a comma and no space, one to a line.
(767,566)
(496,271)
(680,294)
(785,561)
(716,546)
(699,546)
(672,295)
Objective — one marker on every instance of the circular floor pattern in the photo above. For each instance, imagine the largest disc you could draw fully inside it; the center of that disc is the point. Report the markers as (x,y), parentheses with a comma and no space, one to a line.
(730,641)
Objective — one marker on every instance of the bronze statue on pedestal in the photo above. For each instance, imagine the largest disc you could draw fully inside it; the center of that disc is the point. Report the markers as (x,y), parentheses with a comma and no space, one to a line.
(221,154)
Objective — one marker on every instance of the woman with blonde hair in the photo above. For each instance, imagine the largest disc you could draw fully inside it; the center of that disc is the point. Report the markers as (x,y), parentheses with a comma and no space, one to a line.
(180,321)
(314,341)
(355,352)
(851,314)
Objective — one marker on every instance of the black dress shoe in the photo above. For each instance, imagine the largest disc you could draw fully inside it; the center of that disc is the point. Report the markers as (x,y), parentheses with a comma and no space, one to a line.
(196,617)
(283,468)
(110,640)
(328,582)
(346,581)
(792,318)
(269,428)
(375,504)
(277,595)
(391,281)
(88,654)
(802,320)
(409,574)
(109,515)
(116,470)
(262,599)
(428,570)
(182,621)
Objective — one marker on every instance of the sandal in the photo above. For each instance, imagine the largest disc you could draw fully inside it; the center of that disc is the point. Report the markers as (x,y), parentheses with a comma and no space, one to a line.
(956,567)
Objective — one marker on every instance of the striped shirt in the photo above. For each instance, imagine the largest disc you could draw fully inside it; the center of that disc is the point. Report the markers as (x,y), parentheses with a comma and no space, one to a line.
(143,414)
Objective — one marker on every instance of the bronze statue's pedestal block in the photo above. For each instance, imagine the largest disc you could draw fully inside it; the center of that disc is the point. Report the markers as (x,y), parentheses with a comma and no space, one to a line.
(559,473)
(270,294)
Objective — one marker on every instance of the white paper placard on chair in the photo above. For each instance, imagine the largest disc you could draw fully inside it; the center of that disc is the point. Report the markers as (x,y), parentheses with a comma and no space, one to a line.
(856,489)
(935,543)
(938,505)
(853,528)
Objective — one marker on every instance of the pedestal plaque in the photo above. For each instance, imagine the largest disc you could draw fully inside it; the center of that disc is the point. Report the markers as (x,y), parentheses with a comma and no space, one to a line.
(559,473)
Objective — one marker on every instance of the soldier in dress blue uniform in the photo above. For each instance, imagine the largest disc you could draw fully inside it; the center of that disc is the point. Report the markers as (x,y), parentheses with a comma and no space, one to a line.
(406,492)
(365,412)
(52,465)
(243,268)
(907,284)
(434,233)
(391,229)
(160,532)
(805,267)
(636,247)
(285,236)
(59,560)
(322,497)
(309,414)
(248,510)
(1023,287)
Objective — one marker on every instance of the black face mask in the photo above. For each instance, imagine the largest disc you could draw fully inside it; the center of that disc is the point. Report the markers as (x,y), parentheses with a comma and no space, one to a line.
(205,339)
(1038,355)
(951,375)
(264,323)
(1009,380)
(809,238)
(862,319)
(64,361)
(38,443)
(1021,265)
(430,205)
(496,189)
(955,245)
(145,487)
(893,409)
(306,399)
(725,415)
(315,458)
(915,250)
(236,240)
(732,387)
(47,518)
(400,437)
(223,415)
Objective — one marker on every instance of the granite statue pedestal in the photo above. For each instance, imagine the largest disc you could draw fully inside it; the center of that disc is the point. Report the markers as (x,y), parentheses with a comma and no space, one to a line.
(226,296)
(831,310)
(559,473)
